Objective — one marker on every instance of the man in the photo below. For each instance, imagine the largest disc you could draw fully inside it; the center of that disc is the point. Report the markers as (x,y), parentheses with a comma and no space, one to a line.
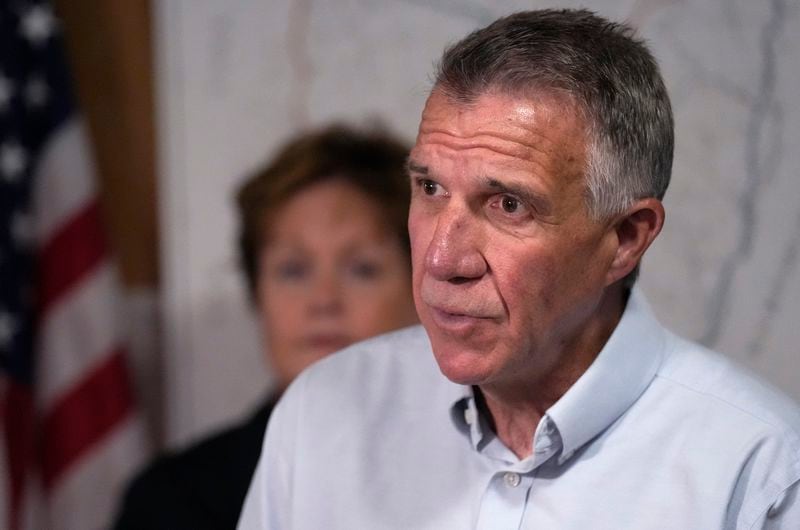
(541,392)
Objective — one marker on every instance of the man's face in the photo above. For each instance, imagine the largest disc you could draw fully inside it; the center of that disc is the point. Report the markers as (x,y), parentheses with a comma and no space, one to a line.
(508,268)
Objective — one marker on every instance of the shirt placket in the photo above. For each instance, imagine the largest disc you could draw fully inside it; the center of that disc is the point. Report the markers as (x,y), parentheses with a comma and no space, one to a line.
(508,491)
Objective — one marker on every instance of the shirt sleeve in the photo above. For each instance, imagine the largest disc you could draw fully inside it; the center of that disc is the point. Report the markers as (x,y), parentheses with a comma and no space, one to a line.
(784,513)
(268,501)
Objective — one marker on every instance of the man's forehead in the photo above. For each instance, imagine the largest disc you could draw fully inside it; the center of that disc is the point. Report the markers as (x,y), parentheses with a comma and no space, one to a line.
(497,117)
(479,157)
(509,129)
(534,103)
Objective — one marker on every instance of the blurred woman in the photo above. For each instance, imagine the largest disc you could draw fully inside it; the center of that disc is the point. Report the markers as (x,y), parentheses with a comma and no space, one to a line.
(324,248)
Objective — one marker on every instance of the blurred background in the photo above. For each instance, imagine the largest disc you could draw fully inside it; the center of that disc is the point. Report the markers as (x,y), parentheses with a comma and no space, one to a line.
(184,97)
(232,80)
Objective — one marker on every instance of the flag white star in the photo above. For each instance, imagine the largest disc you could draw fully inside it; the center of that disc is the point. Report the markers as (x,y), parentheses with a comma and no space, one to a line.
(13,160)
(36,92)
(8,328)
(6,92)
(38,24)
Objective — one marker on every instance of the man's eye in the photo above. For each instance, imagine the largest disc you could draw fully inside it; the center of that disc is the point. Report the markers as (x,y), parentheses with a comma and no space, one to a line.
(509,204)
(510,208)
(429,186)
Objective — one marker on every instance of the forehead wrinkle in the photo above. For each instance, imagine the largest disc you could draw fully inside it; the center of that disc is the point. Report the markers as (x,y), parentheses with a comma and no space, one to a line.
(511,145)
(512,161)
(535,166)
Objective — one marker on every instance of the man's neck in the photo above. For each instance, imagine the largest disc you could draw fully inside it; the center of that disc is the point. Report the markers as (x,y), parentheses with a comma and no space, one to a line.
(514,410)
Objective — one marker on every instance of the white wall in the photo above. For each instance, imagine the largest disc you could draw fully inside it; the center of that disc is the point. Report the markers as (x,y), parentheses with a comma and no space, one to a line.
(235,78)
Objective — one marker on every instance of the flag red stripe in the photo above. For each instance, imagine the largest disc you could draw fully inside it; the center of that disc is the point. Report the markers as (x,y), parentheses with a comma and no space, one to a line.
(18,427)
(85,416)
(74,250)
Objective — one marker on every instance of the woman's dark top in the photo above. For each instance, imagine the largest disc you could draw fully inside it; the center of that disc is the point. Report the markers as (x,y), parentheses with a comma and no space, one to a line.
(201,487)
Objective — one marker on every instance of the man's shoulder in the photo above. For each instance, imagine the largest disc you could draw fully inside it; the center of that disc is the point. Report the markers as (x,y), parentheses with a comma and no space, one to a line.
(364,378)
(716,382)
(724,421)
(370,362)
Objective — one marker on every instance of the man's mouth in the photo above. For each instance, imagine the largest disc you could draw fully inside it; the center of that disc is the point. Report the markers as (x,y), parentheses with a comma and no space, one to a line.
(457,312)
(456,321)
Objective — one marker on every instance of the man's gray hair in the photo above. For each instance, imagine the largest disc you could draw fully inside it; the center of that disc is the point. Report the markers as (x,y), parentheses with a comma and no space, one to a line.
(603,68)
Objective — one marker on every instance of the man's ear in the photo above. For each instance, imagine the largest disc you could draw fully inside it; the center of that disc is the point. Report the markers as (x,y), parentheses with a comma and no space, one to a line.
(635,230)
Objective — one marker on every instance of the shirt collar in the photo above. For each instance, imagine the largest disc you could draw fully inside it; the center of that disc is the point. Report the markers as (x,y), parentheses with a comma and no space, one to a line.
(614,381)
(464,414)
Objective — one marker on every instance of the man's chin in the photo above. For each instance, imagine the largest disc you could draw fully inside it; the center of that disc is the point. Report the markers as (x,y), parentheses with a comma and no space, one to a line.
(463,367)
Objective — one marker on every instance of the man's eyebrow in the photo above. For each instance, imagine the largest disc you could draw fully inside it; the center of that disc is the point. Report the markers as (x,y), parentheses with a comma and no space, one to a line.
(411,167)
(539,202)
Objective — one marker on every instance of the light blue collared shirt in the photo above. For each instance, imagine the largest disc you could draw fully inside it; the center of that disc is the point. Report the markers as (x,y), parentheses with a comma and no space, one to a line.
(657,433)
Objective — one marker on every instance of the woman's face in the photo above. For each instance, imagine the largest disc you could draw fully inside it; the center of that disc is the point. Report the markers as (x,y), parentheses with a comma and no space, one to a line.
(330,274)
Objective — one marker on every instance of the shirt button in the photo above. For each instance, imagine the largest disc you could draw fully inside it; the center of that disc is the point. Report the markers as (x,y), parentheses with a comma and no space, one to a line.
(469,416)
(511,479)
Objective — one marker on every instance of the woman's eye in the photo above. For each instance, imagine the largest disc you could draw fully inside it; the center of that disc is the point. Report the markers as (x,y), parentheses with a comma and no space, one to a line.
(365,270)
(291,270)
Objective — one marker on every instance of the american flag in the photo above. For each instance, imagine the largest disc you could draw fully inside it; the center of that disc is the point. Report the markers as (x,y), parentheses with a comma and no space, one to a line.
(69,435)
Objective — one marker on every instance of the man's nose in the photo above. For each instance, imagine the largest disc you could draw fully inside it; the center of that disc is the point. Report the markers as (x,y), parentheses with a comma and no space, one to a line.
(455,251)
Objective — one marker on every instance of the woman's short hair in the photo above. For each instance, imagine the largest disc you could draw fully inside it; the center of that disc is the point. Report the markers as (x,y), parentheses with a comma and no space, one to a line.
(371,160)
